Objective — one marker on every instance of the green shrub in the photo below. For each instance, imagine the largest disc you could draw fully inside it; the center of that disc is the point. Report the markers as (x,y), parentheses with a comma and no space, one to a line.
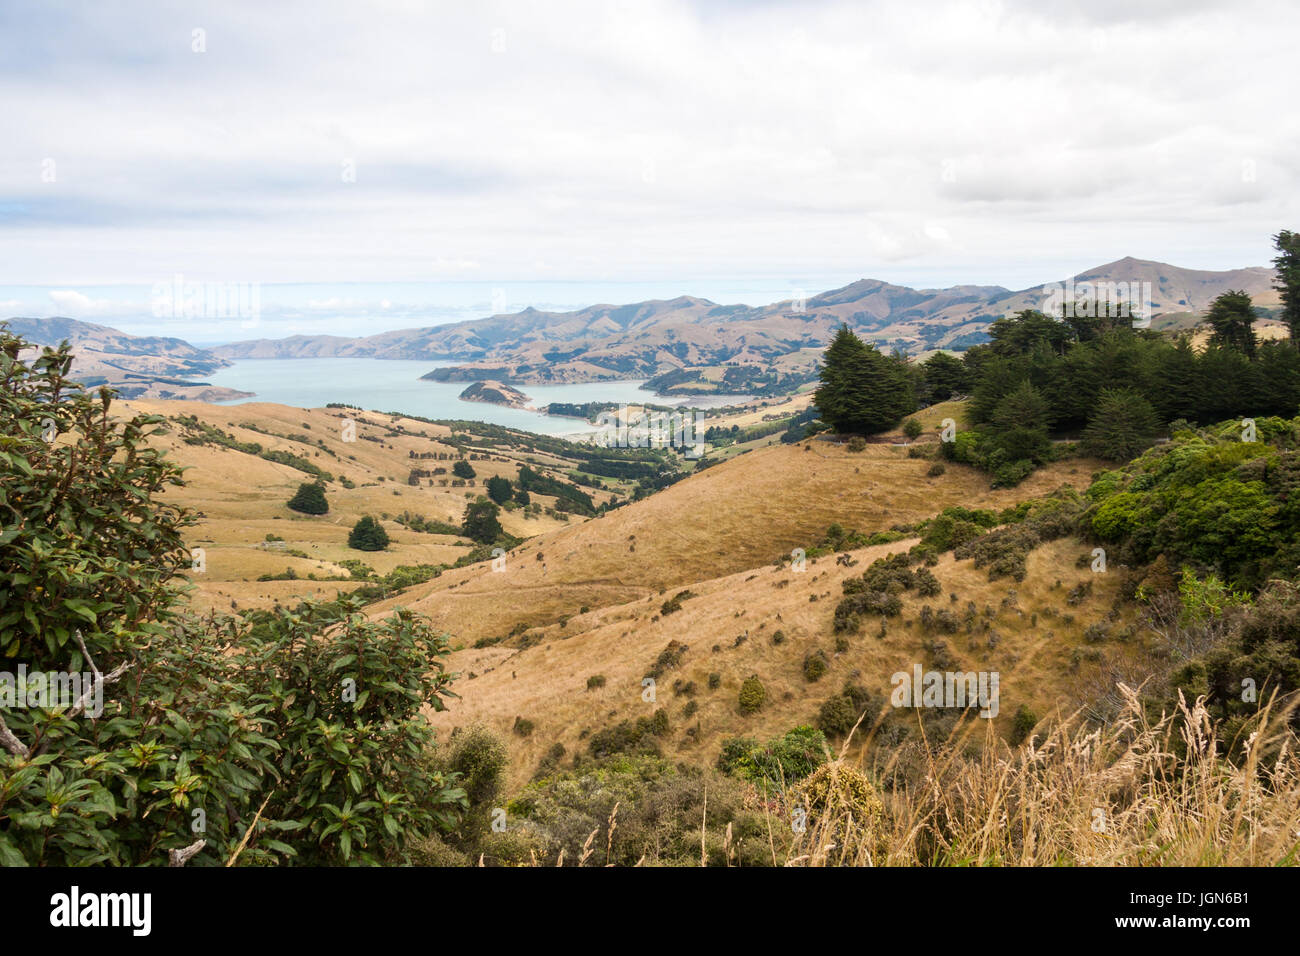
(550,761)
(272,712)
(669,658)
(875,592)
(1012,473)
(838,714)
(1003,551)
(814,666)
(927,585)
(1022,724)
(478,757)
(368,535)
(309,499)
(752,695)
(842,802)
(435,851)
(630,737)
(783,761)
(955,526)
(674,603)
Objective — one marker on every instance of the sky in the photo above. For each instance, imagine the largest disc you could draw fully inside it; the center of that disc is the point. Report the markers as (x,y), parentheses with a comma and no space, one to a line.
(373,165)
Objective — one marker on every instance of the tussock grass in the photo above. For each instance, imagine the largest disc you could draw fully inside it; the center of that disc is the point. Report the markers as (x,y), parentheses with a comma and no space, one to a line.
(1132,793)
(1136,792)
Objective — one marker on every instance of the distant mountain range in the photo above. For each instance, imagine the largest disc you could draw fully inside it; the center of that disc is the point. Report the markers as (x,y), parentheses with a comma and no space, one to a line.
(681,345)
(676,342)
(138,366)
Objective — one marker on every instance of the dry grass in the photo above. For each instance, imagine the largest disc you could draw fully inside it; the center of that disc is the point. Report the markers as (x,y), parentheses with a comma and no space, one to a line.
(735,516)
(547,681)
(1134,793)
(241,498)
(715,533)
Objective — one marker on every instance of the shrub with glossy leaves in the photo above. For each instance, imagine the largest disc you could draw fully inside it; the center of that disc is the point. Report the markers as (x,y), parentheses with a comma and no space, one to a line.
(298,729)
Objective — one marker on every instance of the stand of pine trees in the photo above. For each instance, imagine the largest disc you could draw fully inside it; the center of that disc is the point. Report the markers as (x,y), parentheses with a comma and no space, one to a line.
(1094,378)
(863,391)
(310,499)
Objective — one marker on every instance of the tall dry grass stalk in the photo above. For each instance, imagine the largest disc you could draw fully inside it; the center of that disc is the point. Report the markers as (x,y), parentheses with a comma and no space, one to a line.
(1132,793)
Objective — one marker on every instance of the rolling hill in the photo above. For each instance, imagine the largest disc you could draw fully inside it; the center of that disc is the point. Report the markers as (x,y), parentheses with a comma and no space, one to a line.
(138,366)
(586,597)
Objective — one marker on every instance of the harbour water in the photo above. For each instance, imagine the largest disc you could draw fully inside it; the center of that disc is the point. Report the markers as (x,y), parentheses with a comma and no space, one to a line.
(394,385)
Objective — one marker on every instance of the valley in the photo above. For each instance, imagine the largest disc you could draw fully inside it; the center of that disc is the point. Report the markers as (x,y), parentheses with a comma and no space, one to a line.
(582,597)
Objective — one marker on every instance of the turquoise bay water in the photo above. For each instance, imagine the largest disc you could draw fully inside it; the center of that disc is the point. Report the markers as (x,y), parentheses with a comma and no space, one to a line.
(394,385)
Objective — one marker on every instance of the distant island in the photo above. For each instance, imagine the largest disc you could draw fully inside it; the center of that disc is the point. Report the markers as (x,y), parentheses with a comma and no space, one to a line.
(497,393)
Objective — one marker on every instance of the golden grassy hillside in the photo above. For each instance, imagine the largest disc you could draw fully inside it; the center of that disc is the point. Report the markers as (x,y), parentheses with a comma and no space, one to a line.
(241,498)
(738,515)
(728,627)
(584,598)
(1266,330)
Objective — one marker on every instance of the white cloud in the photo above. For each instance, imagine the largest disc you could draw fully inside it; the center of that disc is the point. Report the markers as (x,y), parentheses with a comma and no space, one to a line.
(936,232)
(663,139)
(73,303)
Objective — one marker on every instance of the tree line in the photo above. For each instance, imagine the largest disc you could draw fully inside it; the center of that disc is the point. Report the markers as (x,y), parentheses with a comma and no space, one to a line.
(1093,378)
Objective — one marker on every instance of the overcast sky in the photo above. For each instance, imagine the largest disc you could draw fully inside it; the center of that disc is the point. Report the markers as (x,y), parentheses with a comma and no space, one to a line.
(687,146)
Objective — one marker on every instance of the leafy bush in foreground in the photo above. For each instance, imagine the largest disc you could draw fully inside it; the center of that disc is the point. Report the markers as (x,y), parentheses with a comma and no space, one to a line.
(300,730)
